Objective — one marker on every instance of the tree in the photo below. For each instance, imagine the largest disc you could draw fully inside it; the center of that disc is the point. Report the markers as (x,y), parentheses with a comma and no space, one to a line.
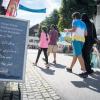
(65,15)
(55,17)
(98,1)
(70,6)
(62,18)
(52,19)
(1,1)
(87,6)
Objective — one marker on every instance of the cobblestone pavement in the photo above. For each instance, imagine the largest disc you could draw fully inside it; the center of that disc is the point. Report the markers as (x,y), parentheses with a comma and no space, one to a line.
(35,87)
(9,91)
(45,84)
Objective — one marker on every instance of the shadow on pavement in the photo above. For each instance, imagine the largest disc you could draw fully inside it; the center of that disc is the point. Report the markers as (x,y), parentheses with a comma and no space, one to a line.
(92,82)
(47,70)
(58,66)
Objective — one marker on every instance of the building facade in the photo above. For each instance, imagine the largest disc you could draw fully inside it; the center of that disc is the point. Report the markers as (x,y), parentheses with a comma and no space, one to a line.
(98,19)
(33,37)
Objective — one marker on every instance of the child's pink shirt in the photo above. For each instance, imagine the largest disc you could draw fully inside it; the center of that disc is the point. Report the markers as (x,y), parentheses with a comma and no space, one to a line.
(43,40)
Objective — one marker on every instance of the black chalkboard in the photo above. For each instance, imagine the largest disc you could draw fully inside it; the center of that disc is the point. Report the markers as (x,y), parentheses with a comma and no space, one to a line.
(13,46)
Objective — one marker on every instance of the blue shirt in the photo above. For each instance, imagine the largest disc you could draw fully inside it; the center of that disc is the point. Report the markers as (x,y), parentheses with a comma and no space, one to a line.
(80,30)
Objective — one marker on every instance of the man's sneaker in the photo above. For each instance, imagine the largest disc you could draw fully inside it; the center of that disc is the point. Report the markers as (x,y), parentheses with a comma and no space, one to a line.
(84,75)
(69,70)
(90,71)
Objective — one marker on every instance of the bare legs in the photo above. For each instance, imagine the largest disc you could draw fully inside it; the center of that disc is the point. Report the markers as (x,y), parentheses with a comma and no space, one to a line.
(81,61)
(54,55)
(73,62)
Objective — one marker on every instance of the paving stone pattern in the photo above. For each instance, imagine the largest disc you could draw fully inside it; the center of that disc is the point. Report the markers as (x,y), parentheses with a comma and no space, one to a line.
(35,87)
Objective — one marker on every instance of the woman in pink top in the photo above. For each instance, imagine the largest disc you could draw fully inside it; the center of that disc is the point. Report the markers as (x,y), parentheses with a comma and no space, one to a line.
(43,45)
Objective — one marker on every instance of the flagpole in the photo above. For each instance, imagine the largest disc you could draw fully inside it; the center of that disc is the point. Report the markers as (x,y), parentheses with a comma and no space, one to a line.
(16,8)
(12,8)
(8,4)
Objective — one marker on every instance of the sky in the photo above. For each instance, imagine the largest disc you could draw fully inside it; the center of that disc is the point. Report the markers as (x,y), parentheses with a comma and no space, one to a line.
(36,18)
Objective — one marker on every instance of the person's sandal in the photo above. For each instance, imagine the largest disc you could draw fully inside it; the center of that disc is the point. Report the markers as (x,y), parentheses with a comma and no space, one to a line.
(35,64)
(69,70)
(47,66)
(54,61)
(83,75)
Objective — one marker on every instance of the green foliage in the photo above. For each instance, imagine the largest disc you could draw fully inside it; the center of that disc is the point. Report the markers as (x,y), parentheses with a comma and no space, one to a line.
(87,6)
(70,6)
(52,19)
(62,18)
(65,15)
(55,17)
(1,1)
(62,24)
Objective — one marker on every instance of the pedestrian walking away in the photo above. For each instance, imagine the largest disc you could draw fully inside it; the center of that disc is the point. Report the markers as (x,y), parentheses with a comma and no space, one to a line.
(52,48)
(43,45)
(90,40)
(78,32)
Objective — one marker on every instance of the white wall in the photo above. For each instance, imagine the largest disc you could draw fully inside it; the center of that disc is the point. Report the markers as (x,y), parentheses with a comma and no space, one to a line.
(98,20)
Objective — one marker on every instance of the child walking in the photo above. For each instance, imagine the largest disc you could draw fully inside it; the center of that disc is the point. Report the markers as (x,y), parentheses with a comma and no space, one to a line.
(43,45)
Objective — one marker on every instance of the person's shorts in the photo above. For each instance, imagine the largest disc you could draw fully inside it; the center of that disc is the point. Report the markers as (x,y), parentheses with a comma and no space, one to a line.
(52,48)
(77,47)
